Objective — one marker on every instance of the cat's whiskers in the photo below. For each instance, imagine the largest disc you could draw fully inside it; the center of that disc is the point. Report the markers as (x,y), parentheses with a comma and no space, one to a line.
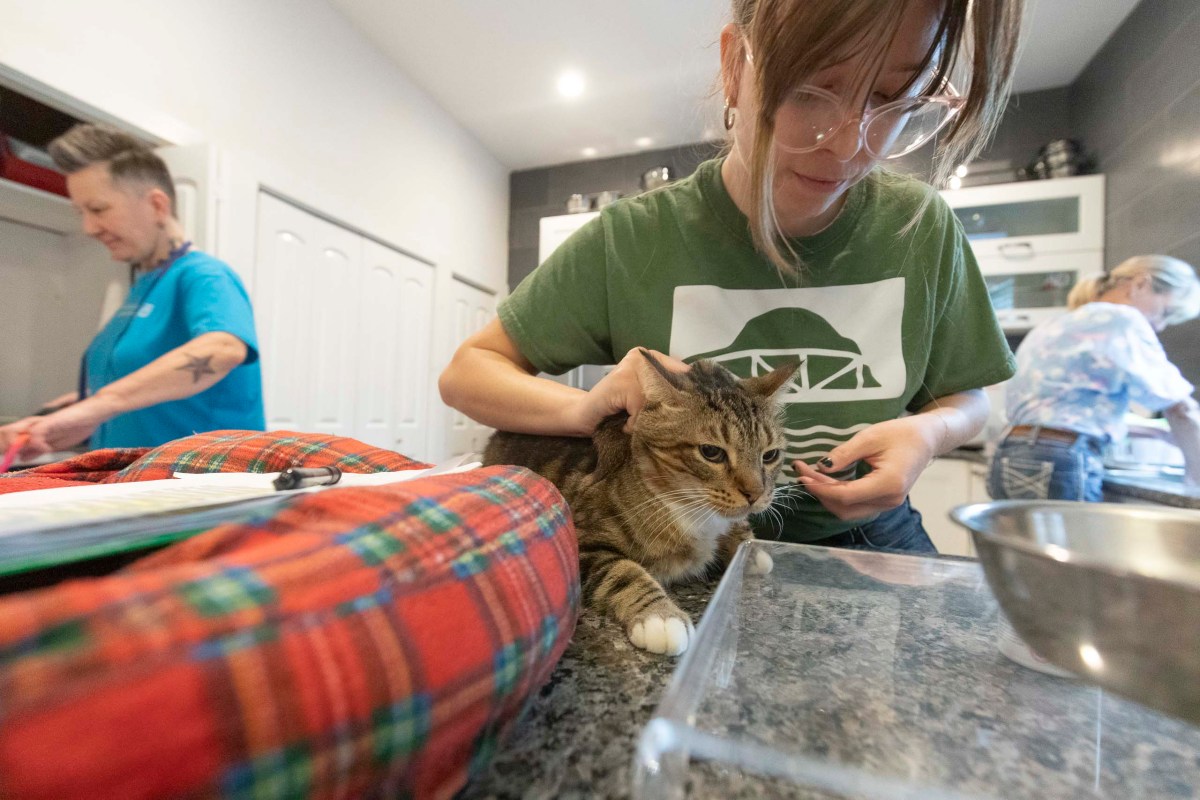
(696,524)
(668,515)
(790,492)
(774,515)
(679,517)
(629,514)
(665,501)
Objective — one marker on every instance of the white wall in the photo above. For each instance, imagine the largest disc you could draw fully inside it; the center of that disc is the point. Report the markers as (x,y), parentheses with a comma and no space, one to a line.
(289,81)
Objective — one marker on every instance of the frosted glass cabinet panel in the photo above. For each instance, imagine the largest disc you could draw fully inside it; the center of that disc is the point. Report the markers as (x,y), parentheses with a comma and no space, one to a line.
(1029,218)
(1023,221)
(1029,289)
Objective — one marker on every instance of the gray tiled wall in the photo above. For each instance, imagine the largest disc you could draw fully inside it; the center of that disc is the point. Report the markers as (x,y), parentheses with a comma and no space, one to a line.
(543,192)
(1137,105)
(1030,120)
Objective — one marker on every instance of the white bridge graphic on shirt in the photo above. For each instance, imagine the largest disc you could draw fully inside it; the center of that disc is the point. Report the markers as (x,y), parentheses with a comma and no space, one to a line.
(835,369)
(843,370)
(848,339)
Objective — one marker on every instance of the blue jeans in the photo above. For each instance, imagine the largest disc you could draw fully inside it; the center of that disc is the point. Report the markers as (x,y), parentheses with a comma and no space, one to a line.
(896,531)
(1035,468)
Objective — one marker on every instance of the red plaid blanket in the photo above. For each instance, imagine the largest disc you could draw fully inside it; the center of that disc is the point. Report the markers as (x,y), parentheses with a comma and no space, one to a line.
(361,642)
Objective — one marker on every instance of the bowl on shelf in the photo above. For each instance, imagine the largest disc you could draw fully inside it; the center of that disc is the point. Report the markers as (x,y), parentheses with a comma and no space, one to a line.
(1108,591)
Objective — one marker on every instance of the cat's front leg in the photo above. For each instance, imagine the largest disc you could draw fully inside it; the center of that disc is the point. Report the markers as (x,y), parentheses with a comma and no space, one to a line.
(614,584)
(760,560)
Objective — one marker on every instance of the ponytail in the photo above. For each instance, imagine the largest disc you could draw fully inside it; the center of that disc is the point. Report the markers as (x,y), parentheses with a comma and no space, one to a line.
(1087,291)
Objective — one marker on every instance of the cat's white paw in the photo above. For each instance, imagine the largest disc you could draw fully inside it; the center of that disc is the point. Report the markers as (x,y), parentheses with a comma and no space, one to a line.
(669,635)
(761,562)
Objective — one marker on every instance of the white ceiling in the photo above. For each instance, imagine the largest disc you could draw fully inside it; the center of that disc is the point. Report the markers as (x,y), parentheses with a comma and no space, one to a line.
(650,65)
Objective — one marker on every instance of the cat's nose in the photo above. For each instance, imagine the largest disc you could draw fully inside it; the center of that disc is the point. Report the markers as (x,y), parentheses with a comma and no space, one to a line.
(750,494)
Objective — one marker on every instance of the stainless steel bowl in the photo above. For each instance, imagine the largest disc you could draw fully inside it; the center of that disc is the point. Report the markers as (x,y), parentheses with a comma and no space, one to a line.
(1107,590)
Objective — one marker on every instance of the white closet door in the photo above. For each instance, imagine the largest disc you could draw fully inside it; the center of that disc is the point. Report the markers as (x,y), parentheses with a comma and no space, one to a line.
(283,273)
(307,273)
(334,328)
(472,309)
(397,325)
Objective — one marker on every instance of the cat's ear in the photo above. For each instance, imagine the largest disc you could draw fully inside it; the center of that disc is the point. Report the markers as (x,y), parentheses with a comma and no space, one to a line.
(769,384)
(658,382)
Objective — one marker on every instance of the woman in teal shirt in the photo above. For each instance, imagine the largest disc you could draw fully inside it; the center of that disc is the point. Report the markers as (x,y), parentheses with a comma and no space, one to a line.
(180,356)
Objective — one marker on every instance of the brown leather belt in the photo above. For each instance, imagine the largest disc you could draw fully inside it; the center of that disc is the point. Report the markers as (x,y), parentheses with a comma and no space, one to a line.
(1041,432)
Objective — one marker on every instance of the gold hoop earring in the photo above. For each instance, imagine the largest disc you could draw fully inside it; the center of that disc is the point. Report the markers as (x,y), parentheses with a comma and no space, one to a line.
(729,116)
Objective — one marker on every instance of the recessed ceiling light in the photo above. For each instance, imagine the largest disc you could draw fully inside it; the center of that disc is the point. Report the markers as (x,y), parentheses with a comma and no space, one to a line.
(588,152)
(962,170)
(645,141)
(570,84)
(955,182)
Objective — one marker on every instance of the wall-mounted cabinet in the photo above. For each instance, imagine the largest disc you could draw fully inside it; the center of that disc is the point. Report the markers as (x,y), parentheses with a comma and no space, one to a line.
(1034,240)
(553,232)
(1023,220)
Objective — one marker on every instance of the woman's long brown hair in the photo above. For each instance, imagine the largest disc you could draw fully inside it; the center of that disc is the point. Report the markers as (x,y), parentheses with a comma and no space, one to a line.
(794,39)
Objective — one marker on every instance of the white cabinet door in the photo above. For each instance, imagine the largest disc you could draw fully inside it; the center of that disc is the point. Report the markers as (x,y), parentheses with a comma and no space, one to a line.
(472,308)
(944,484)
(307,272)
(553,231)
(1028,219)
(396,299)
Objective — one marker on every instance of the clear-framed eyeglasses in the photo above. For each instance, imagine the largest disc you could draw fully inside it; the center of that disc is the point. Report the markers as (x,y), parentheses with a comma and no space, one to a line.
(811,116)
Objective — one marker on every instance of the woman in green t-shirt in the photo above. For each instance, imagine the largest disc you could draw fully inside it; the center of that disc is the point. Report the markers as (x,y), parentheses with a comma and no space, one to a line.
(793,245)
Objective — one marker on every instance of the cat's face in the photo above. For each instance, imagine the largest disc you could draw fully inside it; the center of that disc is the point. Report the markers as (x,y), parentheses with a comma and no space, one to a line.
(711,441)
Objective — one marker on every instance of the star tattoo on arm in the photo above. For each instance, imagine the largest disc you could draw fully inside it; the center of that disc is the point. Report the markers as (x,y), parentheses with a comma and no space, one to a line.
(199,366)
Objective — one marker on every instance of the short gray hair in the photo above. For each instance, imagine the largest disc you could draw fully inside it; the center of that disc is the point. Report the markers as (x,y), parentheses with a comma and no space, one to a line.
(128,159)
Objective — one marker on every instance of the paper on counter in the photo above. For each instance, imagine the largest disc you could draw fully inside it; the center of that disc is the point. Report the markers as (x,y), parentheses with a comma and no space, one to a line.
(263,480)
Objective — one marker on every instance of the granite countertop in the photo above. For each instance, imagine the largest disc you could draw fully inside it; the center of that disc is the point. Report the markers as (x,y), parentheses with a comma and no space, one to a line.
(974,455)
(1119,486)
(1146,489)
(941,705)
(578,738)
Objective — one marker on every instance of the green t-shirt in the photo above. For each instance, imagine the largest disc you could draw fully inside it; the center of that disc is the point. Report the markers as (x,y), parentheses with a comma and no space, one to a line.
(883,323)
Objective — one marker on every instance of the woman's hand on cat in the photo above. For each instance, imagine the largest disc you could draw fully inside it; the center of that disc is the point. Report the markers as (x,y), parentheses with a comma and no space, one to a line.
(623,389)
(897,451)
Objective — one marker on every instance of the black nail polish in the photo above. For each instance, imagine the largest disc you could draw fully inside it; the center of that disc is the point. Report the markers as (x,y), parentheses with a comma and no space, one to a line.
(826,463)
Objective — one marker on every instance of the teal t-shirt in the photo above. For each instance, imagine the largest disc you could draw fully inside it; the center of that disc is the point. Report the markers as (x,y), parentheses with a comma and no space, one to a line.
(882,322)
(165,309)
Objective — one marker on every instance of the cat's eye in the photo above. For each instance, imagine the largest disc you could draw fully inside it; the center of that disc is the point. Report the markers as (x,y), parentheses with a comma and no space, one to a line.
(770,456)
(712,453)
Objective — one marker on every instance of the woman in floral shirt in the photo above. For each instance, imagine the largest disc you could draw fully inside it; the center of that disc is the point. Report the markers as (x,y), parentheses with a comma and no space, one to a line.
(1078,373)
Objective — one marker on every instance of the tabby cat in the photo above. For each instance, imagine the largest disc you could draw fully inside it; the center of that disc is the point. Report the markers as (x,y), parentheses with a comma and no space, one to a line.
(662,503)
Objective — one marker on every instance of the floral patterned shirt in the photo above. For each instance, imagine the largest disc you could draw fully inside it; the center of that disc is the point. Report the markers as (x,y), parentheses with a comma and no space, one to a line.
(1081,371)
